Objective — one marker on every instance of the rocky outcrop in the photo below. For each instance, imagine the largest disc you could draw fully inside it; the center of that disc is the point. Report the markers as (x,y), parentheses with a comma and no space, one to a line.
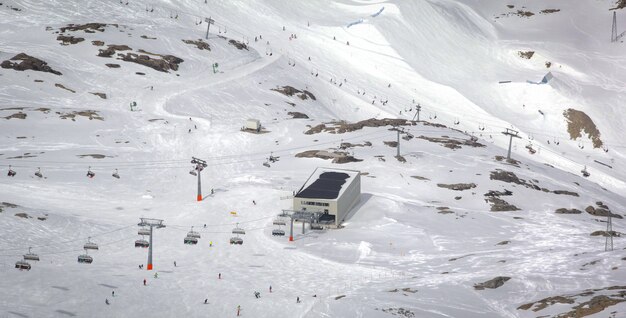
(28,62)
(492,283)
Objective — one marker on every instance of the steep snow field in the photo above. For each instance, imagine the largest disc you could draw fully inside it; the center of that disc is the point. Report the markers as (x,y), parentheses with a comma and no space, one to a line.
(411,248)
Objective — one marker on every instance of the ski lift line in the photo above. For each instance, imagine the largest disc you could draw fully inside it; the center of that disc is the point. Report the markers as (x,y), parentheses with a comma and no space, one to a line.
(72,251)
(224,232)
(69,241)
(480,119)
(152,165)
(223,224)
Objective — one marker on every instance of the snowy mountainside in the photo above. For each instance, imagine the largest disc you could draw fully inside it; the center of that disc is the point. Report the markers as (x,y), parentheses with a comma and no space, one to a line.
(133,88)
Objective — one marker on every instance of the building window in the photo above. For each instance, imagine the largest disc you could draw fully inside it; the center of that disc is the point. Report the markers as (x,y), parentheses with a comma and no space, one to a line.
(314,203)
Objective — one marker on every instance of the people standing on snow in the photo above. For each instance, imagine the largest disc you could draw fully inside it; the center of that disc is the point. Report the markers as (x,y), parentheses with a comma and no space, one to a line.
(156,275)
(144,282)
(174,263)
(206,301)
(219,276)
(253,202)
(106,301)
(211,244)
(257,294)
(283,28)
(238,309)
(112,293)
(270,288)
(298,300)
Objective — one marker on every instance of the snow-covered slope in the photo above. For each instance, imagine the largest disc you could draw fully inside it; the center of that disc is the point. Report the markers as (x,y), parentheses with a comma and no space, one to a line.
(413,247)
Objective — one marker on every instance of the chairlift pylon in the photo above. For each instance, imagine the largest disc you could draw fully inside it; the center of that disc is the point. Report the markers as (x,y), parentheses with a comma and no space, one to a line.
(11,172)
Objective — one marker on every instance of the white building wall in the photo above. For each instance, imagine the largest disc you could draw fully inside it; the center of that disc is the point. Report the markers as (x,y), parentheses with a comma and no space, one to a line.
(349,198)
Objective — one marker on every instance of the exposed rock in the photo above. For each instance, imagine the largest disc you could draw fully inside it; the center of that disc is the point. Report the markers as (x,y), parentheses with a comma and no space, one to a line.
(23,215)
(28,63)
(392,144)
(94,156)
(492,283)
(238,45)
(420,178)
(601,212)
(111,49)
(504,243)
(65,88)
(347,145)
(97,43)
(18,115)
(526,55)
(164,64)
(67,40)
(91,114)
(88,27)
(509,161)
(544,303)
(593,306)
(111,65)
(577,122)
(606,234)
(452,143)
(297,115)
(201,45)
(101,95)
(457,186)
(341,127)
(494,193)
(147,37)
(567,211)
(499,205)
(337,156)
(548,11)
(574,194)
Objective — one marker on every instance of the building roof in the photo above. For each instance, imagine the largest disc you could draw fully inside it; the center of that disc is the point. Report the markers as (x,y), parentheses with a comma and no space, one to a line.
(327,183)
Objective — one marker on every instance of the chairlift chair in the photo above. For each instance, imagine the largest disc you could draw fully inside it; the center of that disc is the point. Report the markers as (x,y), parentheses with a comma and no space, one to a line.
(85,259)
(456,121)
(278,232)
(190,240)
(90,174)
(38,173)
(236,240)
(116,175)
(193,171)
(316,226)
(90,245)
(142,243)
(585,172)
(21,265)
(238,230)
(144,231)
(11,172)
(279,221)
(31,256)
(193,234)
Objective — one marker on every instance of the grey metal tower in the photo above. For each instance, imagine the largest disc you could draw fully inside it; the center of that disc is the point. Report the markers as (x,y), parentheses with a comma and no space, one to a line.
(200,165)
(152,223)
(511,133)
(614,29)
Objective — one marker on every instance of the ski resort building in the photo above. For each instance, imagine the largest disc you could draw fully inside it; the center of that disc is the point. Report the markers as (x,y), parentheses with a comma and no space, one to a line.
(332,192)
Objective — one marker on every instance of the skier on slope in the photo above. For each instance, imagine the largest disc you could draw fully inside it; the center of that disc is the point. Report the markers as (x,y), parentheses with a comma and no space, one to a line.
(106,301)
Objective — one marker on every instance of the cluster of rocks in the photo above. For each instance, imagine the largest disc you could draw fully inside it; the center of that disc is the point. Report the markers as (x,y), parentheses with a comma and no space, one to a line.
(341,127)
(290,91)
(452,143)
(27,62)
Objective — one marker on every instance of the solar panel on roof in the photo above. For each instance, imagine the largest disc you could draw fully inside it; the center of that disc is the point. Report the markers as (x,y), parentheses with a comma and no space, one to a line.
(327,186)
